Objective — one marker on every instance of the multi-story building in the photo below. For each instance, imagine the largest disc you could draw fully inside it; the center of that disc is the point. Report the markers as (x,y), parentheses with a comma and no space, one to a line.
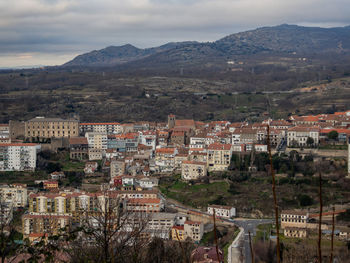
(222,211)
(78,148)
(104,127)
(165,159)
(299,136)
(49,224)
(193,170)
(18,156)
(14,194)
(219,157)
(149,138)
(42,127)
(117,168)
(97,140)
(194,230)
(145,205)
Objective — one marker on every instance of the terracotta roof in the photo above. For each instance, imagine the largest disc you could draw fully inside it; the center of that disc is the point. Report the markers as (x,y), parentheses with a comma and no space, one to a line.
(185,123)
(144,200)
(78,140)
(219,146)
(294,212)
(166,150)
(178,227)
(18,144)
(304,129)
(194,162)
(207,254)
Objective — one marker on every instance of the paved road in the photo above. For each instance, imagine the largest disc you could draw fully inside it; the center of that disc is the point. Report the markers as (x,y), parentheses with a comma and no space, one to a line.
(249,225)
(246,224)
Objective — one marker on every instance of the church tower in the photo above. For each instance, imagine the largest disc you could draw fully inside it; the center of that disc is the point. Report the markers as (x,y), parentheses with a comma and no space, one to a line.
(171,121)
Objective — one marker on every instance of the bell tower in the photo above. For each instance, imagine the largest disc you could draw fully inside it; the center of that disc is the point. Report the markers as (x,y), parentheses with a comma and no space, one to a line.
(171,121)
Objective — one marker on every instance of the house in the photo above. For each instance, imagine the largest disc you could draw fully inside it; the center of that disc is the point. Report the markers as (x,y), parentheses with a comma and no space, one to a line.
(51,184)
(148,182)
(78,148)
(295,232)
(165,159)
(193,170)
(222,211)
(57,175)
(194,230)
(294,218)
(90,167)
(219,157)
(177,137)
(178,233)
(128,180)
(207,255)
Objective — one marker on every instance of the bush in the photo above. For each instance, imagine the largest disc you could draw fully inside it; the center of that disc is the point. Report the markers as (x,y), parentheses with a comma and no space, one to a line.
(305,200)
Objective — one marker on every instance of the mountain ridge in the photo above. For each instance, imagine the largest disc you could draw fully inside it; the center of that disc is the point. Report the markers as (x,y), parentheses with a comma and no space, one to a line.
(283,38)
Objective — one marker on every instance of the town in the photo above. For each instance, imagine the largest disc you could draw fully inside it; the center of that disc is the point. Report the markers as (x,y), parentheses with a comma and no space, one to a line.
(66,174)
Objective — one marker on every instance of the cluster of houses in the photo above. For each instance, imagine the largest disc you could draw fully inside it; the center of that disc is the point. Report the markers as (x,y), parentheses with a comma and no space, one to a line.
(302,224)
(132,152)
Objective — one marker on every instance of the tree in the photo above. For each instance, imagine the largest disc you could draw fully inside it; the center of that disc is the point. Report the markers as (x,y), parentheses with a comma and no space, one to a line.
(333,135)
(305,200)
(310,141)
(9,248)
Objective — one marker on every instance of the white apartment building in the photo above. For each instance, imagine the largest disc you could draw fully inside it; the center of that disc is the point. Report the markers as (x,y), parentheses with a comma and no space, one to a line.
(14,194)
(148,138)
(192,170)
(222,211)
(298,136)
(18,156)
(104,127)
(194,230)
(97,140)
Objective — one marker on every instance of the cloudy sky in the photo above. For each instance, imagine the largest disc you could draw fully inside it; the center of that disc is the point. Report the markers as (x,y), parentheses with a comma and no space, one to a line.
(51,32)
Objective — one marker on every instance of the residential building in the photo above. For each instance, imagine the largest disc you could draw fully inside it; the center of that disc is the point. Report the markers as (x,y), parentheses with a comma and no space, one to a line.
(178,233)
(104,127)
(90,167)
(41,127)
(165,159)
(222,211)
(219,157)
(295,232)
(18,156)
(293,218)
(14,194)
(207,255)
(95,154)
(49,224)
(78,148)
(299,136)
(194,230)
(148,182)
(146,205)
(97,140)
(50,185)
(117,168)
(193,170)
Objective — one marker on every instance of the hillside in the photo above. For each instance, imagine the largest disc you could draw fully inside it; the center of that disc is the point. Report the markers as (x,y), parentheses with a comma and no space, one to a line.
(276,40)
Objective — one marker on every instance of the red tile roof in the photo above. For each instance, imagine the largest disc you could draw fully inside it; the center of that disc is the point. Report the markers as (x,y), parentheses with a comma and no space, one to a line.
(219,146)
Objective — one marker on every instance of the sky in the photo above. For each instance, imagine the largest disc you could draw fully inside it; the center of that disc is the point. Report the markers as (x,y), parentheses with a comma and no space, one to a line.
(52,32)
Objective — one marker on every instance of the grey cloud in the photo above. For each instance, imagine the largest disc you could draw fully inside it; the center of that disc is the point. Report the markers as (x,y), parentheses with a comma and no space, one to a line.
(76,26)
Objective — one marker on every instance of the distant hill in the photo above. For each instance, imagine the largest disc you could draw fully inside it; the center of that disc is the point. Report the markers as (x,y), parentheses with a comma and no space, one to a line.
(266,40)
(114,55)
